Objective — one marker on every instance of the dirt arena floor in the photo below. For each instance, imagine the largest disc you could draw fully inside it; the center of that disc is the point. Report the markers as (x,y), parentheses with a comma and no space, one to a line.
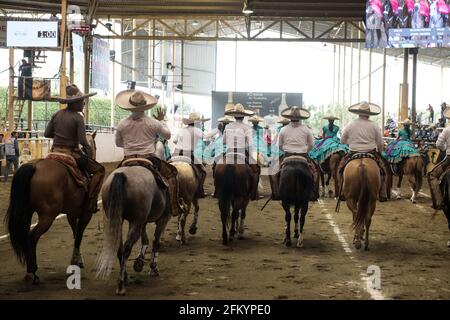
(408,244)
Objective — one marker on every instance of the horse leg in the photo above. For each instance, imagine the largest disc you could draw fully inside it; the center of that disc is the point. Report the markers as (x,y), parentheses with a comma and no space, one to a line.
(140,260)
(399,185)
(224,218)
(304,211)
(414,186)
(133,235)
(160,227)
(287,218)
(368,222)
(234,218)
(241,225)
(193,227)
(322,180)
(353,207)
(181,236)
(328,184)
(296,218)
(82,223)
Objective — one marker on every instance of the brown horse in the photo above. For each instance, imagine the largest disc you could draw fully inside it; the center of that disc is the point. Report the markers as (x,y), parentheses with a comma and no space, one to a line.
(330,168)
(361,187)
(233,187)
(188,185)
(413,168)
(45,187)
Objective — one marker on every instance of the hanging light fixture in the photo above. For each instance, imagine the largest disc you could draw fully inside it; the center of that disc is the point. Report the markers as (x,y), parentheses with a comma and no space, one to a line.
(247,9)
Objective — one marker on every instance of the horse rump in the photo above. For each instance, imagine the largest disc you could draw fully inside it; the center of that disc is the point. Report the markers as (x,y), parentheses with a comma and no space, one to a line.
(113,204)
(363,199)
(296,183)
(19,213)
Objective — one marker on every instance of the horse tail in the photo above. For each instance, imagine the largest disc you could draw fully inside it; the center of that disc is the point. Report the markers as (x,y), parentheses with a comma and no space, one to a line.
(18,216)
(363,200)
(113,204)
(228,188)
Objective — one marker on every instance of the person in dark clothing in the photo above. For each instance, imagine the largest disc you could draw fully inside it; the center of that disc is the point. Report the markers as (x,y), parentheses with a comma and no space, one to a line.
(25,85)
(12,154)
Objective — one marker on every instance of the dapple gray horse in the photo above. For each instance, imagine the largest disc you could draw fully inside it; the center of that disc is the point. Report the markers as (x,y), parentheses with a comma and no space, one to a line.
(132,194)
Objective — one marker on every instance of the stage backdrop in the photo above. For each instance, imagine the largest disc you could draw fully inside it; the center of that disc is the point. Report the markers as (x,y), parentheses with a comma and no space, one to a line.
(268,101)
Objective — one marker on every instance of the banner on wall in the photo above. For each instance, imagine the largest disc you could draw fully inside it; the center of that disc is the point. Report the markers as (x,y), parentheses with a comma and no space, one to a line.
(267,102)
(100,65)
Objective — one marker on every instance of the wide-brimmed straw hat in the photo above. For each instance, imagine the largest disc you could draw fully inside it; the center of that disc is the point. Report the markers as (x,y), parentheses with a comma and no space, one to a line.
(407,121)
(238,110)
(365,108)
(74,94)
(226,119)
(194,117)
(256,119)
(135,100)
(331,118)
(283,120)
(295,113)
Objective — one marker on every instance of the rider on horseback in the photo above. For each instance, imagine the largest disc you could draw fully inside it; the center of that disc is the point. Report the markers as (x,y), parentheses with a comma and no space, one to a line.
(402,147)
(238,138)
(436,175)
(68,130)
(188,140)
(137,135)
(295,139)
(364,137)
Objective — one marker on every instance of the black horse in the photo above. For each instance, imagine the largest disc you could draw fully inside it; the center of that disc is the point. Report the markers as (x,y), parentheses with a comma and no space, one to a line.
(296,187)
(447,202)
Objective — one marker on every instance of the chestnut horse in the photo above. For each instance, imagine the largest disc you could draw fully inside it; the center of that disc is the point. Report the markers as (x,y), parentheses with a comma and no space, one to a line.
(413,168)
(232,184)
(362,181)
(47,188)
(330,168)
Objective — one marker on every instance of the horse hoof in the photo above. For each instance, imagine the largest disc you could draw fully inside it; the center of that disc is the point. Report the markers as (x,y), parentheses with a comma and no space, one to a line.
(178,237)
(138,264)
(296,235)
(366,248)
(225,242)
(240,237)
(29,278)
(121,291)
(358,244)
(193,230)
(448,244)
(288,243)
(154,272)
(399,198)
(300,244)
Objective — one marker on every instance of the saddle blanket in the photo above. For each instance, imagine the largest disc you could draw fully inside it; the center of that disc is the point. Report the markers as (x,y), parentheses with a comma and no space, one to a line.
(71,165)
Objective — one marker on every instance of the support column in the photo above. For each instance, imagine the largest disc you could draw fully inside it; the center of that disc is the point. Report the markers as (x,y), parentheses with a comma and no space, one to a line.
(133,54)
(182,76)
(343,75)
(359,67)
(370,75)
(339,76)
(113,87)
(11,91)
(403,114)
(334,74)
(63,45)
(86,77)
(383,95)
(351,73)
(414,52)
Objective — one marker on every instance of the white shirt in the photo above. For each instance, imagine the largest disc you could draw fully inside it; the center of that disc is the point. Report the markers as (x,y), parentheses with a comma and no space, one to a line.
(362,135)
(212,134)
(187,138)
(238,135)
(137,134)
(443,141)
(295,138)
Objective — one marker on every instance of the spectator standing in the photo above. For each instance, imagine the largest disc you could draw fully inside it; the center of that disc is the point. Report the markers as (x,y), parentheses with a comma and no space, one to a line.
(12,153)
(431,115)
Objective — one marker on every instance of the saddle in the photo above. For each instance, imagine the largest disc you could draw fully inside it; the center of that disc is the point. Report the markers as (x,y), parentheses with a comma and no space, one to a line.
(71,165)
(294,158)
(148,164)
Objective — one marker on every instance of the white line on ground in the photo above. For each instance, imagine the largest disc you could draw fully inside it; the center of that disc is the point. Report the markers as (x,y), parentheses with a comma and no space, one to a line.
(33,225)
(424,194)
(374,293)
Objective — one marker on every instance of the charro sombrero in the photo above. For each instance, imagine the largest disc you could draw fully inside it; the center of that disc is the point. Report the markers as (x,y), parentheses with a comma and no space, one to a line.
(407,121)
(226,119)
(365,108)
(135,100)
(74,94)
(283,120)
(255,119)
(238,110)
(295,113)
(331,118)
(447,112)
(194,117)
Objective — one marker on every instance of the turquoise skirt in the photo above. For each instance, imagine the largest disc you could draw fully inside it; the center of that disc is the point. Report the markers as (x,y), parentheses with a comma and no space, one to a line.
(398,150)
(326,147)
